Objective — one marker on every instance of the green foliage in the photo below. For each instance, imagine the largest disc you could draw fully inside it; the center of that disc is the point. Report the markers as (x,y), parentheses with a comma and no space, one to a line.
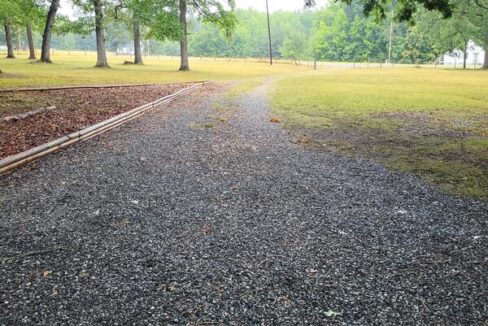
(31,11)
(345,34)
(331,35)
(295,45)
(406,8)
(165,25)
(469,20)
(10,11)
(82,26)
(214,12)
(208,41)
(250,38)
(163,17)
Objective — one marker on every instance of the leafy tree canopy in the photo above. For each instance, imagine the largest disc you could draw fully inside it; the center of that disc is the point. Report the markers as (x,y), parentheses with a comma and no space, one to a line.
(406,8)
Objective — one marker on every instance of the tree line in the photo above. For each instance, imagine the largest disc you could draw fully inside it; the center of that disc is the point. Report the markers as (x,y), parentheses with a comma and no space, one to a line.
(165,20)
(356,31)
(343,32)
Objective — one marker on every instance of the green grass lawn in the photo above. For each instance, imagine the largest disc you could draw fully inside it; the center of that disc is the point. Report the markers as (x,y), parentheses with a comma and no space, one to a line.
(76,68)
(431,122)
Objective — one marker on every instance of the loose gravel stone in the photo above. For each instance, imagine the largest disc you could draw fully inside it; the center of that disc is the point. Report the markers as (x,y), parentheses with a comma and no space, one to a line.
(207,213)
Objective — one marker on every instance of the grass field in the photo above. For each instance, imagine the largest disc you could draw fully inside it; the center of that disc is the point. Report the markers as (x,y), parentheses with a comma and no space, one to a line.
(75,68)
(431,122)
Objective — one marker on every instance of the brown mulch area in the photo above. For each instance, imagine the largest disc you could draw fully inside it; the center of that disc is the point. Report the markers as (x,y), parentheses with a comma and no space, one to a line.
(75,110)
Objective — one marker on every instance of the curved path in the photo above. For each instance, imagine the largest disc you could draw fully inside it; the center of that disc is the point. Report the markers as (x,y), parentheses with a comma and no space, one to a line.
(206,213)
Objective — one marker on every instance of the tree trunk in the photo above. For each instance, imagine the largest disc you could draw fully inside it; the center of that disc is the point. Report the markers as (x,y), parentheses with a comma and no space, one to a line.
(184,38)
(8,38)
(19,40)
(30,38)
(46,36)
(137,42)
(465,59)
(485,64)
(100,34)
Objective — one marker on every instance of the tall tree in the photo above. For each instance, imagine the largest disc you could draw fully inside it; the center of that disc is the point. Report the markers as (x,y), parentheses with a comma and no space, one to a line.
(485,46)
(184,64)
(479,18)
(32,14)
(331,36)
(97,7)
(100,34)
(48,30)
(464,27)
(171,21)
(134,13)
(136,30)
(9,40)
(295,44)
(30,41)
(9,14)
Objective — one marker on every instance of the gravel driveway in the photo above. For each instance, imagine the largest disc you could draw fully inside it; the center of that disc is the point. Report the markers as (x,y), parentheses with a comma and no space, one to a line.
(205,213)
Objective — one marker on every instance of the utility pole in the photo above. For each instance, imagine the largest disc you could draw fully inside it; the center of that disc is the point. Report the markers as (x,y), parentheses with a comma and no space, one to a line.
(269,35)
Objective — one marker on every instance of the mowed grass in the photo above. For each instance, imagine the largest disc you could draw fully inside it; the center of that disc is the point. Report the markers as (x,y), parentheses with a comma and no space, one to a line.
(76,68)
(430,122)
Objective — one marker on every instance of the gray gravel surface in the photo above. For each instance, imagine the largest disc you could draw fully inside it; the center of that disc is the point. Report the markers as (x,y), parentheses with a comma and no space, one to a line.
(206,213)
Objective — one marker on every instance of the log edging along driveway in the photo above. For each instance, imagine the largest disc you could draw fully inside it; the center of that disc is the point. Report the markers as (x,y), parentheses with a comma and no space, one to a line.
(15,161)
(53,88)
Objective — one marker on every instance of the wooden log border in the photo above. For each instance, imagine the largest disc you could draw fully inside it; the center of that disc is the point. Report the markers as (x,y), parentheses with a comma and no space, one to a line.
(54,88)
(15,161)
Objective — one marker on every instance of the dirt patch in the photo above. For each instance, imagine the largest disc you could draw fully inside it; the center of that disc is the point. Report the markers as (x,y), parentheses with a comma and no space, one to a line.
(417,117)
(429,124)
(75,109)
(451,159)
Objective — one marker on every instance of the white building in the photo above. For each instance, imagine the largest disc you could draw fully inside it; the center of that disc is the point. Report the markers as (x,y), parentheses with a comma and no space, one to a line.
(476,56)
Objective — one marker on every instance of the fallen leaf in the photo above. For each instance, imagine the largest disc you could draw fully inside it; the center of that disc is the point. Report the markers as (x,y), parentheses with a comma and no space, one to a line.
(332,313)
(206,229)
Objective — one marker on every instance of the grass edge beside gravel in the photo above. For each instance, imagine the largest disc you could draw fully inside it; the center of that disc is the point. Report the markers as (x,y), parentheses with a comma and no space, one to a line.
(446,147)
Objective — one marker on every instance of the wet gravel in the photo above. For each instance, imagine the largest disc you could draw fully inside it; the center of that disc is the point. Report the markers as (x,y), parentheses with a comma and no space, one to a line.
(206,213)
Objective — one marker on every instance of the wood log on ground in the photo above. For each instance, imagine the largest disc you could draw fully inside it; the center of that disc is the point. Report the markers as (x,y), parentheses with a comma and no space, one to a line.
(22,116)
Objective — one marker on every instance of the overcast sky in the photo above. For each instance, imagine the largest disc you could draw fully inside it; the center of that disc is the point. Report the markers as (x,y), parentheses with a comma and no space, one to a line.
(67,8)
